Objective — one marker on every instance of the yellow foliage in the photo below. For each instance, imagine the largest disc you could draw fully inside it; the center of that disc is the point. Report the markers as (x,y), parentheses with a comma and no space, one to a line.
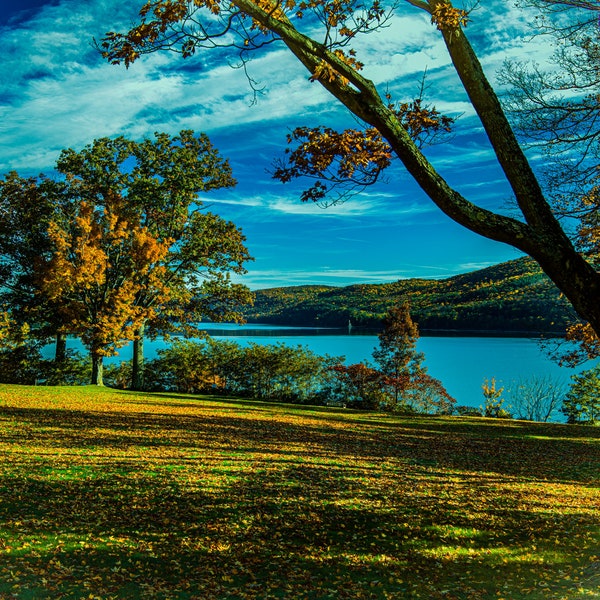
(101,264)
(446,17)
(11,335)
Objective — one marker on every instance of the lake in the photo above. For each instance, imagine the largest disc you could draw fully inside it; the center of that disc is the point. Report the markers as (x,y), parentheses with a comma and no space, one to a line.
(461,363)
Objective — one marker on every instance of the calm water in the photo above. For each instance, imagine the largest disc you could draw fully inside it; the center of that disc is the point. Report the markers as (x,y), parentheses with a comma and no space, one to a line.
(461,363)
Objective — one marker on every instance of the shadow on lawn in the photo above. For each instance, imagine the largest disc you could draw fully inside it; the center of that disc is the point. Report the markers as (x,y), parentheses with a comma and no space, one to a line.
(440,443)
(288,532)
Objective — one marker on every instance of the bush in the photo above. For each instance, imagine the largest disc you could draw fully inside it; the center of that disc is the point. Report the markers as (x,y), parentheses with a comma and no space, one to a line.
(75,369)
(271,372)
(21,365)
(493,401)
(468,411)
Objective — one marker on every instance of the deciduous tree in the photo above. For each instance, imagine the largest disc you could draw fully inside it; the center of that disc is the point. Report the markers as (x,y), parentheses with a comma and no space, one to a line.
(320,35)
(161,179)
(122,242)
(101,262)
(360,386)
(536,398)
(556,108)
(27,206)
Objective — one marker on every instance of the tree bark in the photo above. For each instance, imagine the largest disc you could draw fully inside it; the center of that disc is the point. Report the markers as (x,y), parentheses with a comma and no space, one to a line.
(97,369)
(137,361)
(540,235)
(548,244)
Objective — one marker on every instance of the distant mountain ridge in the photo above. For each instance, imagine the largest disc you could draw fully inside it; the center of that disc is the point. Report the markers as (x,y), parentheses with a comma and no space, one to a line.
(513,297)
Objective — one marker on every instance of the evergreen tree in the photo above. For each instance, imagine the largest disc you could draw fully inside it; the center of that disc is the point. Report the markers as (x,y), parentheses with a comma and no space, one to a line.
(402,369)
(582,403)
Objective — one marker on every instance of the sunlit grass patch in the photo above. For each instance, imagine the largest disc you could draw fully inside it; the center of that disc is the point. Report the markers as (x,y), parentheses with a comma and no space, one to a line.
(123,495)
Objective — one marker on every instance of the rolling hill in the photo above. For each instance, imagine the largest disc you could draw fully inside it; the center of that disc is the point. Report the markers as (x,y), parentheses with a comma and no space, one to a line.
(514,297)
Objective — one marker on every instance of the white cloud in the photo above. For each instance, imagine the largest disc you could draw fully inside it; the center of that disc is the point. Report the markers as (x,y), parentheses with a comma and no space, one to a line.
(65,95)
(58,92)
(257,279)
(388,204)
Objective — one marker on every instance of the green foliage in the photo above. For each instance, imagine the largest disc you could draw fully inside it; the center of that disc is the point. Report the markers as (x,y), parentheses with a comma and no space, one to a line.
(468,411)
(27,207)
(121,246)
(582,403)
(75,369)
(517,291)
(271,372)
(282,372)
(21,364)
(24,365)
(192,366)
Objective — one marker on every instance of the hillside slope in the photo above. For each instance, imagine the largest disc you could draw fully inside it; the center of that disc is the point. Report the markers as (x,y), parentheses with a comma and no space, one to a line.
(512,297)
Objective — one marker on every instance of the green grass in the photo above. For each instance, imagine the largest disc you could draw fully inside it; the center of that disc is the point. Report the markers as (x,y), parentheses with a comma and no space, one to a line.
(107,494)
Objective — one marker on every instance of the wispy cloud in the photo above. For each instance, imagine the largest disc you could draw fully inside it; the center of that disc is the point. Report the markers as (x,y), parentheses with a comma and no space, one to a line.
(363,204)
(58,92)
(256,279)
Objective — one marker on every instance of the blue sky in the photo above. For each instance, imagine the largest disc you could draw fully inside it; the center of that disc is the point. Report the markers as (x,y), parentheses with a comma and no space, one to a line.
(57,93)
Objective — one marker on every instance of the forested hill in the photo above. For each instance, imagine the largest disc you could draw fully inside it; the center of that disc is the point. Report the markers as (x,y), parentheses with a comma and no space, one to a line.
(512,297)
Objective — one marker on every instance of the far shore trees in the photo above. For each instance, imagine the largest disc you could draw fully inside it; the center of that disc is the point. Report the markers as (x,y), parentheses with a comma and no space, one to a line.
(321,34)
(126,247)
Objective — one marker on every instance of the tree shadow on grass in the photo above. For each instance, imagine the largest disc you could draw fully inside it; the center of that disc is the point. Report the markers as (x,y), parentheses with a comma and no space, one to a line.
(438,445)
(296,531)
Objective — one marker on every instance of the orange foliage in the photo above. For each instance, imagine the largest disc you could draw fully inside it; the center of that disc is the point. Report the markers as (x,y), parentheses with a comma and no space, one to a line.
(354,157)
(99,266)
(588,344)
(589,225)
(160,17)
(446,17)
(325,72)
(420,120)
(350,156)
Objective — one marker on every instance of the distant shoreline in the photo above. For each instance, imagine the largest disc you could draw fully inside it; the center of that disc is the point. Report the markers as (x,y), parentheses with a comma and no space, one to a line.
(277,329)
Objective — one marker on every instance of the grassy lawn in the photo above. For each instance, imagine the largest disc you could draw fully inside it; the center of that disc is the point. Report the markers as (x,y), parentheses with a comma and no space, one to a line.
(107,494)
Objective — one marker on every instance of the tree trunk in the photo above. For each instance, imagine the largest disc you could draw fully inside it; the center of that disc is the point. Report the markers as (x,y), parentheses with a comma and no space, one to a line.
(137,361)
(540,234)
(97,369)
(60,353)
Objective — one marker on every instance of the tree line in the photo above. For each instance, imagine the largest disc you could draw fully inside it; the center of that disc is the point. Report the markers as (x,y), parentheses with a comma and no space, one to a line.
(397,382)
(513,297)
(116,246)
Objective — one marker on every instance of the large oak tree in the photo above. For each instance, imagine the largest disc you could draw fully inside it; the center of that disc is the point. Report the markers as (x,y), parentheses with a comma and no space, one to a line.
(161,179)
(120,245)
(320,33)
